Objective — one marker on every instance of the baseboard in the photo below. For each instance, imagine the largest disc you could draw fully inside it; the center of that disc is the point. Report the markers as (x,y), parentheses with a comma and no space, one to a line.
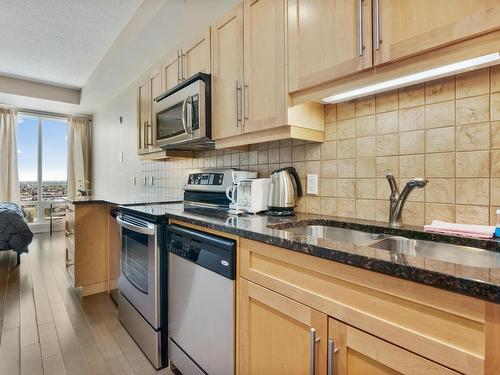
(87,290)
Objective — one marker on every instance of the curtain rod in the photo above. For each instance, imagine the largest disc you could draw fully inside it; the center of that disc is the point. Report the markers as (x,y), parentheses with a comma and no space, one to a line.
(46,113)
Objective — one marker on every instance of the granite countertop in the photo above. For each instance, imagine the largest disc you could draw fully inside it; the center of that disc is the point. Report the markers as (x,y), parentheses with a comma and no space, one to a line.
(122,199)
(481,282)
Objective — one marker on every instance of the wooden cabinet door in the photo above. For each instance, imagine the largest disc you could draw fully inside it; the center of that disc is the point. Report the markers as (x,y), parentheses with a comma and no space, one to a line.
(171,73)
(275,334)
(264,64)
(143,115)
(155,89)
(227,74)
(412,26)
(354,352)
(327,39)
(196,56)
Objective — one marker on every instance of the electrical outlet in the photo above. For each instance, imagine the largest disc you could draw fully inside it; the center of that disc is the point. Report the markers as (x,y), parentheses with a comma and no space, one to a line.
(312,184)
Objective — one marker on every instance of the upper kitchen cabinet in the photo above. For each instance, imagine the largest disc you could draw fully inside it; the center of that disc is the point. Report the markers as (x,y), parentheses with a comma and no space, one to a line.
(406,28)
(143,115)
(251,103)
(264,64)
(155,89)
(147,89)
(227,74)
(196,56)
(193,57)
(170,71)
(327,40)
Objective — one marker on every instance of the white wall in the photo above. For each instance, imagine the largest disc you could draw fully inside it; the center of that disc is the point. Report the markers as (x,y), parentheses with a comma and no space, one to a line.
(175,21)
(109,138)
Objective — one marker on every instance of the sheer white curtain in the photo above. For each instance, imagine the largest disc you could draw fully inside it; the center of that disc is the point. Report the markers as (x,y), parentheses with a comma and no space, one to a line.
(9,174)
(78,155)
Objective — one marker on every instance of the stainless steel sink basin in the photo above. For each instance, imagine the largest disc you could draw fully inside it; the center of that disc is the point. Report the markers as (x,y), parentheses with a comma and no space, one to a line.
(469,256)
(355,237)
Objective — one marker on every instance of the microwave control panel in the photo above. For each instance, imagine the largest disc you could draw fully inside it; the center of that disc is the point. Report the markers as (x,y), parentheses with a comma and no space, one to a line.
(206,179)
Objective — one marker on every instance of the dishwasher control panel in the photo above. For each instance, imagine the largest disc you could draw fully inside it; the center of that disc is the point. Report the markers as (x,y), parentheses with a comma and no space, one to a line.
(215,253)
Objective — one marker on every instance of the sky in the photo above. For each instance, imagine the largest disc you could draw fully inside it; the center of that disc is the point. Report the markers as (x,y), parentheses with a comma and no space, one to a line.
(54,148)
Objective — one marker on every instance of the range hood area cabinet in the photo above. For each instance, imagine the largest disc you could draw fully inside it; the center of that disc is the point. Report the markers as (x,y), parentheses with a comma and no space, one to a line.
(332,39)
(250,100)
(188,61)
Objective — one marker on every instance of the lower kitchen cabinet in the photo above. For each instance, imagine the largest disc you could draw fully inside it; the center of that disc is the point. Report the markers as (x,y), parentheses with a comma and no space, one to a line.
(354,352)
(92,247)
(380,324)
(279,335)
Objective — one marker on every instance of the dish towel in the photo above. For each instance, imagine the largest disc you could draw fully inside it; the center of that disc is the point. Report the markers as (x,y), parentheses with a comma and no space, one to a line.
(468,230)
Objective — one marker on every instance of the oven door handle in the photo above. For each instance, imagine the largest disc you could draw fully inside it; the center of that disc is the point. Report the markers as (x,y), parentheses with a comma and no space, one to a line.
(149,230)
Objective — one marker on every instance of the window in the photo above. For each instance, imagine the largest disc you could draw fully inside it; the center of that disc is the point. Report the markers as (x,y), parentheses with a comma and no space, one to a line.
(42,158)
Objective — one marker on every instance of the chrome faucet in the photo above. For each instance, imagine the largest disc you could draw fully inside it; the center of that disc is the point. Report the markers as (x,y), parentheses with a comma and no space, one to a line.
(398,200)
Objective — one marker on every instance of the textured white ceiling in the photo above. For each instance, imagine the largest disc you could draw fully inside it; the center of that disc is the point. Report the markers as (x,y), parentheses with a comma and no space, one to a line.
(59,41)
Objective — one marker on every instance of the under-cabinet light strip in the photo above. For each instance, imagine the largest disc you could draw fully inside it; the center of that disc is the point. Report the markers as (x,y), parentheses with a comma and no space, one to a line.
(443,71)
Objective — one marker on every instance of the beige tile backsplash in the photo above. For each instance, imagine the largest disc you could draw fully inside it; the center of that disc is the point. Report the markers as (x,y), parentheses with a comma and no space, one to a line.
(446,130)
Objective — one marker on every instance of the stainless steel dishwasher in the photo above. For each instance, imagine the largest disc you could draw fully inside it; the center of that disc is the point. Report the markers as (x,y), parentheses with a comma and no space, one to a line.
(201,301)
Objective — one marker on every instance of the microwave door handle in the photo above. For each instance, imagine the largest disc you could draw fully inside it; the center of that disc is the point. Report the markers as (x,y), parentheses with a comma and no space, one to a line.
(184,115)
(189,115)
(150,230)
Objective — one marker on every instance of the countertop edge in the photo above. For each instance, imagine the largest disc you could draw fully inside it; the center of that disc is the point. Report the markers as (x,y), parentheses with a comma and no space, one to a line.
(464,286)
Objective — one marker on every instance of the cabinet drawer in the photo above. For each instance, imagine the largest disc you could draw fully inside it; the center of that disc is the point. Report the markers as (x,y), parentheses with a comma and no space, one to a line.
(439,325)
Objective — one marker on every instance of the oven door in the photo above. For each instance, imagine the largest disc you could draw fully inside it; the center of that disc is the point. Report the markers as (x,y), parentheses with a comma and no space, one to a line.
(180,117)
(139,277)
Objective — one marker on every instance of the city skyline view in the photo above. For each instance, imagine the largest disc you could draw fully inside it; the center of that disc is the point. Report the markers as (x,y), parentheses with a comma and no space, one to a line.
(42,161)
(54,148)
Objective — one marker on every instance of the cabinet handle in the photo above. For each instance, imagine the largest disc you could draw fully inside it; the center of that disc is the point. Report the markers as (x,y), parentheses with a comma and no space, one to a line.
(238,102)
(312,351)
(67,261)
(360,28)
(147,127)
(178,67)
(246,97)
(183,62)
(376,20)
(331,357)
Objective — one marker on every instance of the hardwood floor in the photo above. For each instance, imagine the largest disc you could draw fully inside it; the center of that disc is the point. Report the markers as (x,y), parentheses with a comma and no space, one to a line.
(46,328)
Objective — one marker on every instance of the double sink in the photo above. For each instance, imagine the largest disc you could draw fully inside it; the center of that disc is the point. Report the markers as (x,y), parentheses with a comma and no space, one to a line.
(464,255)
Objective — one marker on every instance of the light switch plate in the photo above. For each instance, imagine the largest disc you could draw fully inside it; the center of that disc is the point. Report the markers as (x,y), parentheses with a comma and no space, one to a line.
(312,184)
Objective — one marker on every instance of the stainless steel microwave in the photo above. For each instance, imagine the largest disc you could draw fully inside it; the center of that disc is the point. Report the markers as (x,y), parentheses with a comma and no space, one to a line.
(182,116)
